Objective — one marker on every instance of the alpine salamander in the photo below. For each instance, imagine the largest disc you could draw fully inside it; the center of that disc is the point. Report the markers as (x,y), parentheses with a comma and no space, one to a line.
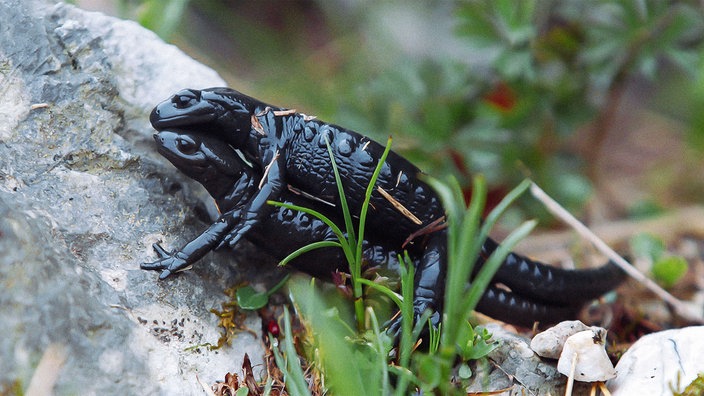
(538,292)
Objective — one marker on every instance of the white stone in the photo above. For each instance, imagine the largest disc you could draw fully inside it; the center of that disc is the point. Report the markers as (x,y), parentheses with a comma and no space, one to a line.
(549,343)
(591,362)
(660,362)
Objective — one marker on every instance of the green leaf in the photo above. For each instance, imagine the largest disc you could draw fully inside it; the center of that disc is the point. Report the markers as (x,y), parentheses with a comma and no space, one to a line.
(345,366)
(430,369)
(644,209)
(464,372)
(474,345)
(338,232)
(407,290)
(392,295)
(351,238)
(242,392)
(308,248)
(669,270)
(250,299)
(289,364)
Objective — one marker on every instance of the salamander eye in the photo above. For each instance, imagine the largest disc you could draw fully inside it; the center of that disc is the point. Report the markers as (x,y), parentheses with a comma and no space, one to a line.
(185,100)
(186,146)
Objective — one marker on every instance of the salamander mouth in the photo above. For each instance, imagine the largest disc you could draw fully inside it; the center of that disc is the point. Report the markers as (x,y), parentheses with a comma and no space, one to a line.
(195,164)
(185,165)
(177,121)
(163,117)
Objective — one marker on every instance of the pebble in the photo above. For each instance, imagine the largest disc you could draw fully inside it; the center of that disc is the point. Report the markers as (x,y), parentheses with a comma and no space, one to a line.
(586,351)
(549,343)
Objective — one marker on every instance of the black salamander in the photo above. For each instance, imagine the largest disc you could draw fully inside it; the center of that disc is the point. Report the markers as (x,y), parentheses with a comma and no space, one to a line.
(290,149)
(536,288)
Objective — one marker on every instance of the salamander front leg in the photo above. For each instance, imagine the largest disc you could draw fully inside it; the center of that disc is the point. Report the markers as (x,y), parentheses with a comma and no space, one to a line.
(258,208)
(429,287)
(182,259)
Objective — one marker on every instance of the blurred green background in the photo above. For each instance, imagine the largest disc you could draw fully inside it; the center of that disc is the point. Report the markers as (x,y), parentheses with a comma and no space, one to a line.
(598,101)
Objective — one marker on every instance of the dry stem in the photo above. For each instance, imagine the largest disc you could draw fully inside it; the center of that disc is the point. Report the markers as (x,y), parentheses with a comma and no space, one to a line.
(680,307)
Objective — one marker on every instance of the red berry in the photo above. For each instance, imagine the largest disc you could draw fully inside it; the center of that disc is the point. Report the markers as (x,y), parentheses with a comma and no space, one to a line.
(273,328)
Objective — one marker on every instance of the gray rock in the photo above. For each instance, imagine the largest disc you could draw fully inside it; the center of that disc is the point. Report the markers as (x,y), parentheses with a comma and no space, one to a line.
(83,195)
(519,370)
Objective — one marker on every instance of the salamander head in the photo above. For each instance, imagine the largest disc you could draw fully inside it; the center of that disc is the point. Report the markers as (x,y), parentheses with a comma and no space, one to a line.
(206,159)
(222,111)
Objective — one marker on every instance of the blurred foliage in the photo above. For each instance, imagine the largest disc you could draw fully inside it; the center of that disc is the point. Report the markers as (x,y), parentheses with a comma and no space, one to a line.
(555,67)
(696,387)
(667,269)
(537,71)
(161,16)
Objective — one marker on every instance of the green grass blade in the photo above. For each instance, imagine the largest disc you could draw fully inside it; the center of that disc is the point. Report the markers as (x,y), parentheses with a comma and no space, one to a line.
(293,374)
(449,193)
(356,265)
(434,338)
(469,245)
(463,246)
(407,283)
(392,295)
(405,374)
(381,352)
(345,369)
(308,248)
(367,198)
(490,267)
(508,200)
(343,199)
(335,229)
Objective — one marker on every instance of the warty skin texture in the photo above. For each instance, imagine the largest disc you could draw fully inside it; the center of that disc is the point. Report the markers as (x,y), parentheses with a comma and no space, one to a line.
(539,292)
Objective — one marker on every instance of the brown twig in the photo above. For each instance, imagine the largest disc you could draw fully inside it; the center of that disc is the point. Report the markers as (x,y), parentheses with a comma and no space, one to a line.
(268,167)
(396,204)
(435,225)
(680,307)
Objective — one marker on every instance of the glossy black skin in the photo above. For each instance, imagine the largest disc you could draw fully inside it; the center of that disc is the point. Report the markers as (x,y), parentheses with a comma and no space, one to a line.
(289,148)
(537,290)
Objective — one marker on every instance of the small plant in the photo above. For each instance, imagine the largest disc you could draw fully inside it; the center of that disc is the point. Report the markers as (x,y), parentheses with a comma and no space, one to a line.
(356,361)
(250,299)
(466,235)
(667,269)
(350,242)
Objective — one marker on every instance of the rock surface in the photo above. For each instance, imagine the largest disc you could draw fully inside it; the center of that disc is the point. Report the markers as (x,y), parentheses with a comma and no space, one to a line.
(659,363)
(517,370)
(83,195)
